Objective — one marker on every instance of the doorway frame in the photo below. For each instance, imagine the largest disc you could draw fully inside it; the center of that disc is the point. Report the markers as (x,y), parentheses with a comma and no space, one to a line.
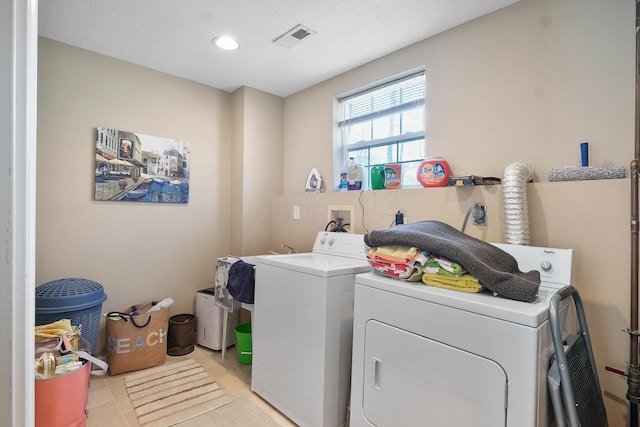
(18,125)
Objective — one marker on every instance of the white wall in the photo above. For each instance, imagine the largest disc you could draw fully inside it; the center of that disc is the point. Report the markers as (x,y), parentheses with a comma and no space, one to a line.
(138,252)
(527,83)
(258,167)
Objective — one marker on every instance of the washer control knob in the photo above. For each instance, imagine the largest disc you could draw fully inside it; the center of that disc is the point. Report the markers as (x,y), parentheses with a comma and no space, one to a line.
(331,242)
(545,265)
(323,241)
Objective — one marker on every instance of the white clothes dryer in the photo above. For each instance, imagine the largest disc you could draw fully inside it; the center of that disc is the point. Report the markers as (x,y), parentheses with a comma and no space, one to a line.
(302,328)
(424,355)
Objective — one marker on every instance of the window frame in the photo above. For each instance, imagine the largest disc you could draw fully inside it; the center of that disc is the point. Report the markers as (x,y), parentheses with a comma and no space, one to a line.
(342,149)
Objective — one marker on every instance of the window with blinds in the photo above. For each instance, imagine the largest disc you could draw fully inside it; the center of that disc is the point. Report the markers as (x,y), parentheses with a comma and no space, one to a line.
(385,124)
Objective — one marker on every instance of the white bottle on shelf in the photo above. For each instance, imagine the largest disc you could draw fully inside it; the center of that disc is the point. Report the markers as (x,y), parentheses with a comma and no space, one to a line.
(354,175)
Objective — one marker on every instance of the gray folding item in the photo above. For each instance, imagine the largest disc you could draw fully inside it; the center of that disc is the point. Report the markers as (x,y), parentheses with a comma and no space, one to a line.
(572,377)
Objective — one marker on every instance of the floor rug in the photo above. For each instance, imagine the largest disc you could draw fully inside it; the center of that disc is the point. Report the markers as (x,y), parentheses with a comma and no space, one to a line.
(240,413)
(169,394)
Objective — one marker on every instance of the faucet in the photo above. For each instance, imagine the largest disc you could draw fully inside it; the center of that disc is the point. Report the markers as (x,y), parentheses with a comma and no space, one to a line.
(289,249)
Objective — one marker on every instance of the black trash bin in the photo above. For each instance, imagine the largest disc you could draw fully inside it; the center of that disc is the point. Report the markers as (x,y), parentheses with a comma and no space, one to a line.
(182,334)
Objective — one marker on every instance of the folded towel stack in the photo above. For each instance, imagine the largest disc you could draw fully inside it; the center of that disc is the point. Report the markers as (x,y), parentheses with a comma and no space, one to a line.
(401,262)
(399,254)
(464,283)
(444,273)
(441,265)
(416,265)
(493,267)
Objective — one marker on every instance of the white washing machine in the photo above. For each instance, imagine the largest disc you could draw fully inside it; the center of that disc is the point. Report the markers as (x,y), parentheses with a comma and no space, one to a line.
(302,329)
(423,355)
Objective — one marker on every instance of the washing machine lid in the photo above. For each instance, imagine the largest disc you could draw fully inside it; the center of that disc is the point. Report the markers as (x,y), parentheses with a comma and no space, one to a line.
(531,314)
(316,264)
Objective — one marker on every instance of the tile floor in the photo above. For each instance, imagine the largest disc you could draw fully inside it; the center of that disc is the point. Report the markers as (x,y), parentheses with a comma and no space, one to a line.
(109,405)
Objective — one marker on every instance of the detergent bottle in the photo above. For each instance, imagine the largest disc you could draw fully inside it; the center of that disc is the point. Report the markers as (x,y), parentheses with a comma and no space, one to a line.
(354,175)
(343,179)
(377,177)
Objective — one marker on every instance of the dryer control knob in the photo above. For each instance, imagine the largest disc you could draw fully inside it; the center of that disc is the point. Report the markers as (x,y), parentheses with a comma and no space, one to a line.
(331,242)
(545,265)
(323,241)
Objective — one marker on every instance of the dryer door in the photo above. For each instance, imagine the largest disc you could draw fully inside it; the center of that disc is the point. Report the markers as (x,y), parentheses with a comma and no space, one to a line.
(410,380)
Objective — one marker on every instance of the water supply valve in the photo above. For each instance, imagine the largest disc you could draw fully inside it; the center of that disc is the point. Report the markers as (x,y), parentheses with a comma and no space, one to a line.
(479,214)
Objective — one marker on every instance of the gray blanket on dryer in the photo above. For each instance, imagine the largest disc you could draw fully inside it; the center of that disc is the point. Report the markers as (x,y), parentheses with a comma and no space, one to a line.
(493,267)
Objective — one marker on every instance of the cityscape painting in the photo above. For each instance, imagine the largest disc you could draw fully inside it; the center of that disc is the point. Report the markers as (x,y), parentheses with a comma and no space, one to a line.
(133,167)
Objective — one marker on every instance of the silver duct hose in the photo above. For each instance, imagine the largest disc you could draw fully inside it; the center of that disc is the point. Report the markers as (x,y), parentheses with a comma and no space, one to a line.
(516,215)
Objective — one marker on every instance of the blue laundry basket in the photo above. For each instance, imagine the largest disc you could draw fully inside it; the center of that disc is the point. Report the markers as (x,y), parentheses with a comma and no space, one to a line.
(79,300)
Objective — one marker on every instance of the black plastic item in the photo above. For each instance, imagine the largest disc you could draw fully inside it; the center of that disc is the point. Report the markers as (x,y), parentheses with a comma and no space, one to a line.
(572,379)
(182,334)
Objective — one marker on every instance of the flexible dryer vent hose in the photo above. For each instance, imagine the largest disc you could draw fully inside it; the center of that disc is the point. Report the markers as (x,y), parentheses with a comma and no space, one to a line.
(514,189)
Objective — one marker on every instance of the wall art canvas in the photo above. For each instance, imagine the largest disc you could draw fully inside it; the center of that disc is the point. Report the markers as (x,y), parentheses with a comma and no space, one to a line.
(132,167)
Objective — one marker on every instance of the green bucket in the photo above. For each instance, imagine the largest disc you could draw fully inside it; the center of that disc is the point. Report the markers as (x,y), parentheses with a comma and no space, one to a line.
(243,343)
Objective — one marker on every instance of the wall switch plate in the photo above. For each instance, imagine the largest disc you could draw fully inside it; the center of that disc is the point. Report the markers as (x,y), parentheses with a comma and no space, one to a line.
(296,212)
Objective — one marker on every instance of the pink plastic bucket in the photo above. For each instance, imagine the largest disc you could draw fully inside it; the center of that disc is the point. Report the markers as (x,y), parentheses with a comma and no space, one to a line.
(62,401)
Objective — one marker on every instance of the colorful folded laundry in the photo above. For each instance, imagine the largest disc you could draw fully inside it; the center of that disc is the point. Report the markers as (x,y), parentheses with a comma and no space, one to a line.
(495,268)
(393,253)
(441,265)
(408,270)
(464,283)
(390,269)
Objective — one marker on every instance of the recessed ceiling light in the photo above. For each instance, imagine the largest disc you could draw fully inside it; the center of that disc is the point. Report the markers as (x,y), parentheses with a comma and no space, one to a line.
(226,43)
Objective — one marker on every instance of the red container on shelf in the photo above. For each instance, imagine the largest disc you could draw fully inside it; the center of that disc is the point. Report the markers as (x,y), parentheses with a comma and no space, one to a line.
(434,172)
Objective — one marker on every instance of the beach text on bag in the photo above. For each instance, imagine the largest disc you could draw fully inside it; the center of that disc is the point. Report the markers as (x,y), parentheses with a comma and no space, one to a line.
(125,345)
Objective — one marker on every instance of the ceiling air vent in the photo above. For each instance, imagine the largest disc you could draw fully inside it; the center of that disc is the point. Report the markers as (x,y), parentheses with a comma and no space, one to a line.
(294,36)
